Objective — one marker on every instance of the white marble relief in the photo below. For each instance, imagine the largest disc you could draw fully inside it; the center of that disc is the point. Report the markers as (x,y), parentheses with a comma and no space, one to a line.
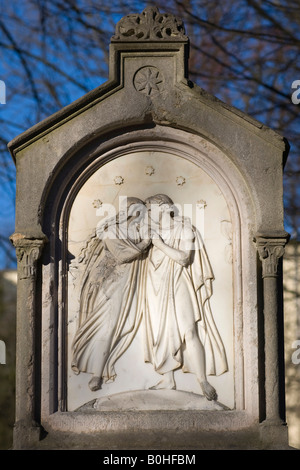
(146,310)
(148,265)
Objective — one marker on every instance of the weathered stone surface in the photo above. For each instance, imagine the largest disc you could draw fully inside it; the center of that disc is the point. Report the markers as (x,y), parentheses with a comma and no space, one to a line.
(155,399)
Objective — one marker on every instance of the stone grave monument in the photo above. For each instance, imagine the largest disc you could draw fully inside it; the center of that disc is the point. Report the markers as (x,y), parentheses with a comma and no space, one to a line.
(149,236)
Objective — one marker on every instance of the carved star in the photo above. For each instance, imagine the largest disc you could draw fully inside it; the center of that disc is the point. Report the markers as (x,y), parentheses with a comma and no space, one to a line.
(119,180)
(148,80)
(149,170)
(201,204)
(97,203)
(180,180)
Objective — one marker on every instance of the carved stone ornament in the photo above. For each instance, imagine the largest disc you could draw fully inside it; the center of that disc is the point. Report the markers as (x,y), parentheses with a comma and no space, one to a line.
(270,251)
(201,204)
(150,25)
(149,170)
(97,203)
(28,252)
(119,180)
(148,80)
(180,180)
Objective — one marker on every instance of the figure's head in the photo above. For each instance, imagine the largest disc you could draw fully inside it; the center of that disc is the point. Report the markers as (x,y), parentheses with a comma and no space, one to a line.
(159,199)
(131,207)
(158,204)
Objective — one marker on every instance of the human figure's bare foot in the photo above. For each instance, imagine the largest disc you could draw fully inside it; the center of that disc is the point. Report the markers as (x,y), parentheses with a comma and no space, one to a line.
(166,383)
(208,390)
(95,383)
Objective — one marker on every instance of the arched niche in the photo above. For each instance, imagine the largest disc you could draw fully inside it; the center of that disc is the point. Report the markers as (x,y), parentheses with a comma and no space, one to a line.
(193,172)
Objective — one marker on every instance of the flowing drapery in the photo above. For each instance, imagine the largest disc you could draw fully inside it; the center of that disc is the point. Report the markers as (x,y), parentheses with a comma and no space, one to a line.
(176,297)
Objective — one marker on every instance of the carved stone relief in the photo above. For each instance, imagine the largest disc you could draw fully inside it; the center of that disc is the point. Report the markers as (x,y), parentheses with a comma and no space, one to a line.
(180,180)
(270,251)
(142,305)
(148,80)
(28,252)
(150,25)
(119,180)
(149,170)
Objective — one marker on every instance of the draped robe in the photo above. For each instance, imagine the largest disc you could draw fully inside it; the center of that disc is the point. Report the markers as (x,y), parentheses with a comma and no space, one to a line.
(124,287)
(176,298)
(109,305)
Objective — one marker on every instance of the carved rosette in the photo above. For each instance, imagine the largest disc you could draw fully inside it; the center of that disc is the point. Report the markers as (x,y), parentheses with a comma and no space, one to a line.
(28,251)
(270,251)
(148,80)
(150,25)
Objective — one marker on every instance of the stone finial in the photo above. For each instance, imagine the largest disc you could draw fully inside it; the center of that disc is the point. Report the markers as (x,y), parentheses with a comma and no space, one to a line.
(150,25)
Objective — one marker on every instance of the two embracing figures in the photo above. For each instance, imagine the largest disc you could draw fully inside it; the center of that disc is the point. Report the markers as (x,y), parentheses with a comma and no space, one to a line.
(147,267)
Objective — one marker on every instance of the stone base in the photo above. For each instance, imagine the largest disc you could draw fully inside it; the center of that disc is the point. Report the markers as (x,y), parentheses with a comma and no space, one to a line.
(91,429)
(26,435)
(148,400)
(158,440)
(275,433)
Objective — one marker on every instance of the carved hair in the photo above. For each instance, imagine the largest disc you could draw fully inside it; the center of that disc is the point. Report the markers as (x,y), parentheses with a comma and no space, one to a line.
(133,200)
(159,199)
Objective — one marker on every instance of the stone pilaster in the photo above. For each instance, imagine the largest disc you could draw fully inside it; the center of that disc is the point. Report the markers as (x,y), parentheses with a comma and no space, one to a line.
(28,252)
(270,250)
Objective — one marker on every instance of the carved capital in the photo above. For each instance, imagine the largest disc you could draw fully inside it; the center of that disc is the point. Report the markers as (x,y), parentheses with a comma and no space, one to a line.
(28,251)
(150,25)
(270,250)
